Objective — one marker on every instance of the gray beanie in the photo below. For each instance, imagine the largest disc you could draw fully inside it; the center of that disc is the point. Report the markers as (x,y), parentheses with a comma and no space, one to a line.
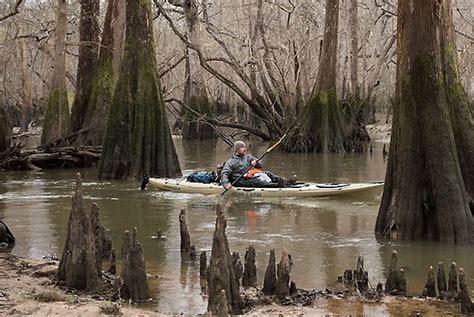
(239,145)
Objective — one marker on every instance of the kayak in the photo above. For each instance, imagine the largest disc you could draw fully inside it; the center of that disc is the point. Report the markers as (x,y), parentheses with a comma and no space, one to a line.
(300,189)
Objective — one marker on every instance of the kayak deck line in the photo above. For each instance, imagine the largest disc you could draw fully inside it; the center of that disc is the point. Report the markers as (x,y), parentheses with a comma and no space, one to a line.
(299,190)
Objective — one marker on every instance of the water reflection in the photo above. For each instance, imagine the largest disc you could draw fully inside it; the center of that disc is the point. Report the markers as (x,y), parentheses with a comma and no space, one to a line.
(324,236)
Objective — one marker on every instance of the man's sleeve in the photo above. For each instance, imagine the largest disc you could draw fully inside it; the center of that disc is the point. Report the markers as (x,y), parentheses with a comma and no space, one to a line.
(251,158)
(226,172)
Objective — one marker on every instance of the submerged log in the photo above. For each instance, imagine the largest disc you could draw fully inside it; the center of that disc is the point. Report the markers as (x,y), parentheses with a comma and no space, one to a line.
(133,273)
(282,288)
(238,268)
(392,279)
(269,283)
(221,271)
(78,267)
(441,278)
(183,230)
(250,272)
(452,281)
(103,242)
(430,286)
(467,306)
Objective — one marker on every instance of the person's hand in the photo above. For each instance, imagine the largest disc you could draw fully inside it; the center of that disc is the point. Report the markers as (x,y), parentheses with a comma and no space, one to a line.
(254,162)
(228,186)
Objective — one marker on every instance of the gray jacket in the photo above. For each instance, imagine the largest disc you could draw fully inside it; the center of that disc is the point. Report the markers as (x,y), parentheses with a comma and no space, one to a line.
(235,166)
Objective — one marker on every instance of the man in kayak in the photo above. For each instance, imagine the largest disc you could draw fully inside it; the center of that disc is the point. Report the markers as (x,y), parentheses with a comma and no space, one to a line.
(255,177)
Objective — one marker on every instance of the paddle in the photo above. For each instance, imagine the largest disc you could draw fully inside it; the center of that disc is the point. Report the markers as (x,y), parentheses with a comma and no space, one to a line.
(258,160)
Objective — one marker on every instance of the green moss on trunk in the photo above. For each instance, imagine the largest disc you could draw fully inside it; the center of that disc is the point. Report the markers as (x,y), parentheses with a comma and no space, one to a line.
(138,139)
(87,61)
(102,86)
(56,121)
(322,127)
(425,194)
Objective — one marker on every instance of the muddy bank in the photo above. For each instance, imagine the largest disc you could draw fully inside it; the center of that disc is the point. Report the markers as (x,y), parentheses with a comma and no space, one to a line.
(27,288)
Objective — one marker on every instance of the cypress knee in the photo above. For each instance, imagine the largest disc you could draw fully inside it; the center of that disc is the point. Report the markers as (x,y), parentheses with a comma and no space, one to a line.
(222,310)
(269,283)
(133,274)
(183,230)
(361,277)
(238,268)
(402,283)
(221,272)
(250,272)
(464,298)
(113,266)
(203,270)
(103,242)
(282,288)
(78,267)
(392,279)
(430,284)
(441,280)
(452,281)
(203,265)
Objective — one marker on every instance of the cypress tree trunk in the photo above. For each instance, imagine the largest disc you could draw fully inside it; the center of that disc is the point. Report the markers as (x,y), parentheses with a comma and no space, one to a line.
(27,104)
(429,181)
(87,62)
(138,138)
(354,25)
(196,94)
(5,130)
(56,121)
(322,127)
(102,85)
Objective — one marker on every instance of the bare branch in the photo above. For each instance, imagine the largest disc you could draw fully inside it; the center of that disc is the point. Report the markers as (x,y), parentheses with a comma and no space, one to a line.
(212,121)
(14,12)
(164,72)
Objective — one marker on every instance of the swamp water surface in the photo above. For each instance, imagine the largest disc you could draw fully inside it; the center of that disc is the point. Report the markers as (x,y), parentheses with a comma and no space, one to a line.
(323,235)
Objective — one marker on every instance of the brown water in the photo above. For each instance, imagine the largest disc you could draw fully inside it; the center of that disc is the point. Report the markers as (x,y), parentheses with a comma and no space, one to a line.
(323,235)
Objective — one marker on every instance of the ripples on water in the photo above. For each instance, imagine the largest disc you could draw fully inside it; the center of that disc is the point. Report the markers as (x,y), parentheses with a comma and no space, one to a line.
(324,235)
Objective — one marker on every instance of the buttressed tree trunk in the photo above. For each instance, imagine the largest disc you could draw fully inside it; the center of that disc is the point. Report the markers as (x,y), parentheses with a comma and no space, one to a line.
(322,127)
(196,96)
(87,62)
(103,84)
(56,121)
(138,139)
(429,181)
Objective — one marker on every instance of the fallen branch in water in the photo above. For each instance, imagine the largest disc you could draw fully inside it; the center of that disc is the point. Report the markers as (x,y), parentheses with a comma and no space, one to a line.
(15,158)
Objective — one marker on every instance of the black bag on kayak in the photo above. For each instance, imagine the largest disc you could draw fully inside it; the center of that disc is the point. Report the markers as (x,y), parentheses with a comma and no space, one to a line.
(202,177)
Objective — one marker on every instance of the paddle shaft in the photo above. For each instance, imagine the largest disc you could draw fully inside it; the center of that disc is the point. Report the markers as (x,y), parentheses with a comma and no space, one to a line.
(258,160)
